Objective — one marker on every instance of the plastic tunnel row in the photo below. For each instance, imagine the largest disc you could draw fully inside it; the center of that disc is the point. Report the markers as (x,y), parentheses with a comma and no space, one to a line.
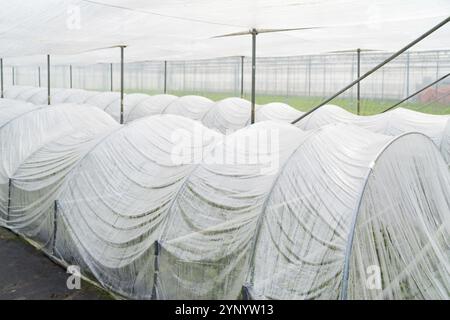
(165,208)
(231,114)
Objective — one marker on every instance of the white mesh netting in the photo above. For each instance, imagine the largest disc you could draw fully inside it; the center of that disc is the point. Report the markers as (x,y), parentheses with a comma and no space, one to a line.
(163,207)
(231,114)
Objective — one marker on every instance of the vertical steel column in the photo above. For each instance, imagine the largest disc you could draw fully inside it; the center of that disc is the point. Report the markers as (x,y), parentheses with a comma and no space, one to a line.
(324,87)
(437,69)
(242,77)
(407,74)
(165,76)
(55,226)
(309,76)
(1,77)
(8,208)
(156,268)
(111,74)
(13,78)
(70,75)
(358,86)
(48,79)
(39,77)
(121,83)
(254,33)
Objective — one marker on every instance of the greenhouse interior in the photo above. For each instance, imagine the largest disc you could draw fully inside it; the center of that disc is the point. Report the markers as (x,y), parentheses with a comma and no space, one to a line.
(227,150)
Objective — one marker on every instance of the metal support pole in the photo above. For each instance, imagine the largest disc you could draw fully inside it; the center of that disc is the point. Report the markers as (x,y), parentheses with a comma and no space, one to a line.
(254,33)
(48,79)
(70,75)
(111,74)
(324,75)
(165,77)
(437,68)
(156,268)
(121,83)
(39,77)
(358,85)
(1,77)
(407,74)
(242,77)
(13,78)
(309,76)
(8,208)
(55,226)
(368,73)
(245,293)
(417,92)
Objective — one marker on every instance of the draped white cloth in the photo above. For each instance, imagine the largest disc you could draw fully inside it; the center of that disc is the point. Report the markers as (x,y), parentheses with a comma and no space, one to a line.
(165,208)
(231,114)
(393,122)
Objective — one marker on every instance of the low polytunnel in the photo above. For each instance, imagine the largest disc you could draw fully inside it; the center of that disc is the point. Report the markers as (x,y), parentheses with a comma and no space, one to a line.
(23,130)
(136,105)
(231,114)
(277,111)
(192,107)
(228,115)
(392,123)
(152,105)
(312,228)
(165,208)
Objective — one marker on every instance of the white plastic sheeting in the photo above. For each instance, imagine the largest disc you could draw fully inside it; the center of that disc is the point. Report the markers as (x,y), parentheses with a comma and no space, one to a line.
(394,122)
(224,116)
(28,128)
(277,111)
(231,114)
(296,215)
(181,31)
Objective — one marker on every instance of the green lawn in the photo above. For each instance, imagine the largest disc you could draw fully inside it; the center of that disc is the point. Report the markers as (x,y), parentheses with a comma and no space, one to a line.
(368,107)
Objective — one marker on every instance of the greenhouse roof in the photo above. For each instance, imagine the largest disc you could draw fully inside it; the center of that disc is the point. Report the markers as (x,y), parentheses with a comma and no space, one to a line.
(74,31)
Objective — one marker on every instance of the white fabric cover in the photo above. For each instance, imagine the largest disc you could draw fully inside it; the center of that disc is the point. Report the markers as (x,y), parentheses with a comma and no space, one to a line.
(228,115)
(73,31)
(231,114)
(152,105)
(30,128)
(193,107)
(394,122)
(277,111)
(299,215)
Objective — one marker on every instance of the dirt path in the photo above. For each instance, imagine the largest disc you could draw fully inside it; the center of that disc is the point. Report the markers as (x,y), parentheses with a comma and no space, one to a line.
(26,273)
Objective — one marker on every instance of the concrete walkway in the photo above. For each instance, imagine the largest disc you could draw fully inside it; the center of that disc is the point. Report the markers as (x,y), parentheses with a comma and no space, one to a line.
(26,273)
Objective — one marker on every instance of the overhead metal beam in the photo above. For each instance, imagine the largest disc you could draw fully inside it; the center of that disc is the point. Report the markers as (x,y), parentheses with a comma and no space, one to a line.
(416,93)
(48,79)
(368,73)
(121,82)
(254,33)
